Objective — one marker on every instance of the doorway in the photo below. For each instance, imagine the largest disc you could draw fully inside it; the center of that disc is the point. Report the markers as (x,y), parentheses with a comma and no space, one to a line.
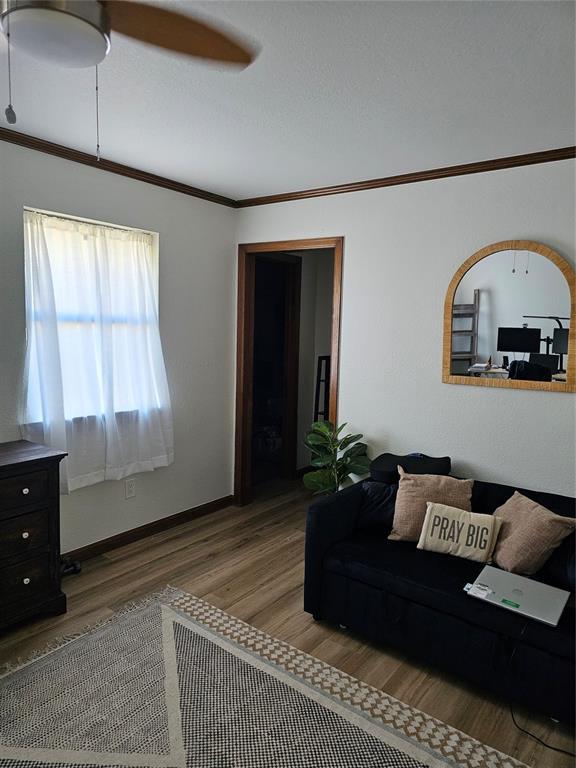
(277,283)
(273,355)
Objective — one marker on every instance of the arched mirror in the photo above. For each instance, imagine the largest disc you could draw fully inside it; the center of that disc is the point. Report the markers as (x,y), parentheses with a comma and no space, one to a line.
(507,319)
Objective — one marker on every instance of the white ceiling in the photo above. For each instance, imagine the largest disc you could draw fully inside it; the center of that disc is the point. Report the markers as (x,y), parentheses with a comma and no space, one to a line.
(342,91)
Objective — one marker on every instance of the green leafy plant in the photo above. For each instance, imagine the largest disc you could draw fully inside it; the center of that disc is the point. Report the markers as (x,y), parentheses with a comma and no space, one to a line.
(335,457)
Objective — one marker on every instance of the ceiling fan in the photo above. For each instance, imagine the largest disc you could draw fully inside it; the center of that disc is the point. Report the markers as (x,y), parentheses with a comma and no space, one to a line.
(76,33)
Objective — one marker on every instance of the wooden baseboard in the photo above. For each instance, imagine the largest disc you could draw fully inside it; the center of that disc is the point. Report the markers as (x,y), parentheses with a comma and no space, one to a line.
(127,537)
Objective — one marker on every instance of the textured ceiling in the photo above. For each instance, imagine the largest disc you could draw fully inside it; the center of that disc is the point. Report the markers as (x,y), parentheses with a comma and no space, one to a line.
(341,91)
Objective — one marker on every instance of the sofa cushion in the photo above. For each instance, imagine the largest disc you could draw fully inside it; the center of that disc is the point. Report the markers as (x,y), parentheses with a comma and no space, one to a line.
(437,581)
(487,497)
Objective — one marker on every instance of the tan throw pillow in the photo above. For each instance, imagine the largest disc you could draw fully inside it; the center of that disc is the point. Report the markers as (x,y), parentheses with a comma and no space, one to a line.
(529,534)
(415,491)
(455,532)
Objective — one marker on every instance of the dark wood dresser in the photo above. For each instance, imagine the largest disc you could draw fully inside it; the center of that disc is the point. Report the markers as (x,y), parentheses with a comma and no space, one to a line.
(29,531)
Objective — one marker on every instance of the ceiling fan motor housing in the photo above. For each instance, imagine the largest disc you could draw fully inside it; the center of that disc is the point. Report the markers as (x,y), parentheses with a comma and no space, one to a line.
(69,33)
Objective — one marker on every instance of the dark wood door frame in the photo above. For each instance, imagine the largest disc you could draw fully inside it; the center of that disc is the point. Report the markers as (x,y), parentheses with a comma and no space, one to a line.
(245,344)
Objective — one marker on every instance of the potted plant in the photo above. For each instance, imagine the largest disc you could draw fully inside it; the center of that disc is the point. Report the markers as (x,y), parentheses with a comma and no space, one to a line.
(335,457)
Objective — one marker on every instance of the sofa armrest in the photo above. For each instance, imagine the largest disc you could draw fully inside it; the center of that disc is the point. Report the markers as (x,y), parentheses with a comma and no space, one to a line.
(330,519)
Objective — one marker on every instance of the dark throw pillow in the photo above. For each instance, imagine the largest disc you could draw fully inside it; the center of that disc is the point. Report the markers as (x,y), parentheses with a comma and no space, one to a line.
(377,506)
(384,468)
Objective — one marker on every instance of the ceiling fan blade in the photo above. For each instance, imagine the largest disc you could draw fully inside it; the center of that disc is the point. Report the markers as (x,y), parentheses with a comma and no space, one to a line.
(175,32)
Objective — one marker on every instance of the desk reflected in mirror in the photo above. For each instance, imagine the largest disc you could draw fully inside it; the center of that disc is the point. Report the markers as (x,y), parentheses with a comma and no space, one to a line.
(511,319)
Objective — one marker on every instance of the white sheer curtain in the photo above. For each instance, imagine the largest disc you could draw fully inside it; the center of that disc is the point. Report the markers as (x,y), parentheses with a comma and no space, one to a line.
(95,381)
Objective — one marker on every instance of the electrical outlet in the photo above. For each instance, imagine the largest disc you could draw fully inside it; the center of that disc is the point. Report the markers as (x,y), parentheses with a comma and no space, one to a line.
(130,487)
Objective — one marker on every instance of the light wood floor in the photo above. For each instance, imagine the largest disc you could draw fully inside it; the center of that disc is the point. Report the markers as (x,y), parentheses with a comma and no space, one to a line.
(249,562)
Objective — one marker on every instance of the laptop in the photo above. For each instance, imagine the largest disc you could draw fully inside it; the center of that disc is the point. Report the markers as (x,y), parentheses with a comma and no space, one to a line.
(517,593)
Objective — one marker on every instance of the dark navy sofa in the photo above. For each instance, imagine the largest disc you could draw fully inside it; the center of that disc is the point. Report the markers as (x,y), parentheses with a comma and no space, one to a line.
(397,595)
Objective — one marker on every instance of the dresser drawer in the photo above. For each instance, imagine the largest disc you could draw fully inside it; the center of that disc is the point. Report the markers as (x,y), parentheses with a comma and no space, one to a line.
(23,533)
(19,490)
(27,580)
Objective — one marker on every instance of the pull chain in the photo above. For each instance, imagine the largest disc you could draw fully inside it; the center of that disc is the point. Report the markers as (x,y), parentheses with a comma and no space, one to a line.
(9,111)
(97,118)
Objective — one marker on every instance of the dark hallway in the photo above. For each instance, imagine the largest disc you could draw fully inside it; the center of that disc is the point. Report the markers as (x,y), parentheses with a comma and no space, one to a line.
(269,418)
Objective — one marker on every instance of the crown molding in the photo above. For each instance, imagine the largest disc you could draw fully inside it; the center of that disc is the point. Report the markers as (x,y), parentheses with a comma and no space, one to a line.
(59,150)
(482,166)
(499,163)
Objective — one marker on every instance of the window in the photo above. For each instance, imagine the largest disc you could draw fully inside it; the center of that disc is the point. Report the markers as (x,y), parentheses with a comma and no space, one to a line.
(95,378)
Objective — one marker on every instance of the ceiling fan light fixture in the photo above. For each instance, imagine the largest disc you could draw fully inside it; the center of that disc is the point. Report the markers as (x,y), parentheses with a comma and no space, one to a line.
(69,33)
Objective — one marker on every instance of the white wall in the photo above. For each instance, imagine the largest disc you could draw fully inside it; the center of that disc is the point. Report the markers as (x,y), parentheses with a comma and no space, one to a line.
(402,247)
(315,335)
(197,309)
(512,284)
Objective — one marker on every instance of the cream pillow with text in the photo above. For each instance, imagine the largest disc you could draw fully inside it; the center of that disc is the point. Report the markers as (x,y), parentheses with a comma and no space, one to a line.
(456,532)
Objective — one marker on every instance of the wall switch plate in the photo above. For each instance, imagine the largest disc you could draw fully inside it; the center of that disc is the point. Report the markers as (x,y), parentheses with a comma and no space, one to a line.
(130,487)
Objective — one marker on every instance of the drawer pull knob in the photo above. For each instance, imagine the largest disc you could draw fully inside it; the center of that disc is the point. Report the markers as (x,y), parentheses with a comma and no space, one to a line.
(25,491)
(26,580)
(25,535)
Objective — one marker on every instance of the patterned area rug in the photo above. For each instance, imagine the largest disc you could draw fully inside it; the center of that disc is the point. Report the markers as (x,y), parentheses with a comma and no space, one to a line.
(175,683)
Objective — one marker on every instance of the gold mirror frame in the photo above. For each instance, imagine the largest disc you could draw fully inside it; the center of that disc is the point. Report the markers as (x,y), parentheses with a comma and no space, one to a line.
(477,381)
